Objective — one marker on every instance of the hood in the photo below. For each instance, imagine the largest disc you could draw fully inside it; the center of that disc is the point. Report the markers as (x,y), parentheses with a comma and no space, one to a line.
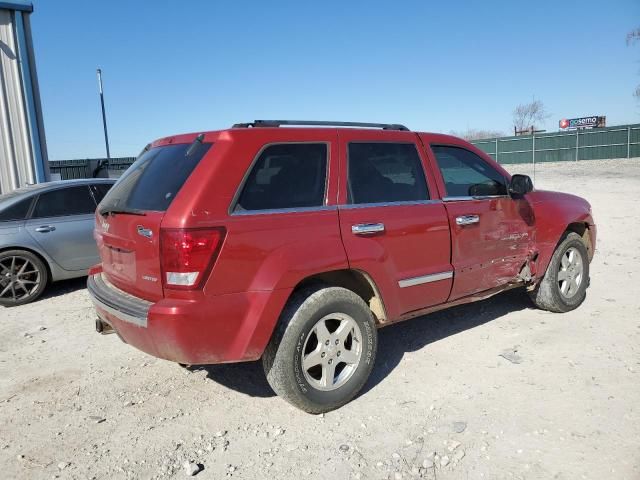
(560,198)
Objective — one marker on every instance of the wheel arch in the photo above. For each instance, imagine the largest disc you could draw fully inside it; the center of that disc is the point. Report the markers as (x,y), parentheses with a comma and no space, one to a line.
(357,281)
(583,229)
(547,293)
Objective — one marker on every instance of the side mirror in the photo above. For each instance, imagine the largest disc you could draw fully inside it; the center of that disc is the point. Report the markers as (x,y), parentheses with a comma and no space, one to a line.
(520,184)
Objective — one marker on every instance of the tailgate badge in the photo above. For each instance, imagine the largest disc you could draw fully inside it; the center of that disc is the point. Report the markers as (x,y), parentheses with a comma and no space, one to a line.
(145,232)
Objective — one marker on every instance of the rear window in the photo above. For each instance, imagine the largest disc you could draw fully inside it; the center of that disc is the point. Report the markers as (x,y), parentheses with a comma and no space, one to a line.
(385,172)
(153,181)
(64,201)
(99,190)
(17,211)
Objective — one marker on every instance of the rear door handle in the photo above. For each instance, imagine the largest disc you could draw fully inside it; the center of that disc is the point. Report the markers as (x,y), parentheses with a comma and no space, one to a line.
(467,220)
(45,229)
(367,228)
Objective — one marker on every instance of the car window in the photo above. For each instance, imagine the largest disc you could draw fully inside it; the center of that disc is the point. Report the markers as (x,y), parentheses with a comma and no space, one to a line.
(466,174)
(64,201)
(385,172)
(17,211)
(155,178)
(99,190)
(290,175)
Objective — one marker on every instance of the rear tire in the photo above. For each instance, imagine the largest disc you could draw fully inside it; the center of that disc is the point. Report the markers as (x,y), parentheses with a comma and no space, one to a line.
(323,350)
(23,277)
(564,285)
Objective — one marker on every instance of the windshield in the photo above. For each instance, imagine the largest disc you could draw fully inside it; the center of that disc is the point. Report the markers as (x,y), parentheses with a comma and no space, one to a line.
(153,181)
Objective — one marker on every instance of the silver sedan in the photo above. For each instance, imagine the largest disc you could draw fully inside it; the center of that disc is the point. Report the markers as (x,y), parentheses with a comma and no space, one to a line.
(46,235)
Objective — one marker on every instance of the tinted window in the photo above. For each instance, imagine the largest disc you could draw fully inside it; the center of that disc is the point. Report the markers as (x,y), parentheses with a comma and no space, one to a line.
(99,190)
(155,178)
(286,176)
(17,211)
(466,174)
(64,201)
(385,172)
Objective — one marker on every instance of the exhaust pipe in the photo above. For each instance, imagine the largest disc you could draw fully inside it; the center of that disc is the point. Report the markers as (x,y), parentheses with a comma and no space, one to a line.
(103,328)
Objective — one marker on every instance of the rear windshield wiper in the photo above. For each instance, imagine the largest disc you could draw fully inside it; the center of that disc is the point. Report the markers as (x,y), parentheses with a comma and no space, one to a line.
(113,210)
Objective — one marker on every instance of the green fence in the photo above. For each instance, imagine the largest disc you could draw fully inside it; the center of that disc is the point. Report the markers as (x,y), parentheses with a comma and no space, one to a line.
(599,143)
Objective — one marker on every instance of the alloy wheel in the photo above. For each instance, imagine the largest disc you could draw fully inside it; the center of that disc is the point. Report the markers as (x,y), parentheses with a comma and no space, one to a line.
(19,278)
(570,273)
(332,351)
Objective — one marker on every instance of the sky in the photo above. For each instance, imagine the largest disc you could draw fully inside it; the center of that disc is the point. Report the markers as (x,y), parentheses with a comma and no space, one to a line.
(183,66)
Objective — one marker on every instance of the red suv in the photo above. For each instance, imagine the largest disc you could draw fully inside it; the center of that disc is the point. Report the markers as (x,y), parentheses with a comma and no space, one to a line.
(295,244)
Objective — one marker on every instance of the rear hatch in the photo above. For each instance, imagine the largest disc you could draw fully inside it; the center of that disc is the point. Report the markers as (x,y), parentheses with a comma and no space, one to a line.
(129,218)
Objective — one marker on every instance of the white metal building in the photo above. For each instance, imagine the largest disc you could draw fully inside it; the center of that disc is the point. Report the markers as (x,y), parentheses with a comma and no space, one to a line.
(23,150)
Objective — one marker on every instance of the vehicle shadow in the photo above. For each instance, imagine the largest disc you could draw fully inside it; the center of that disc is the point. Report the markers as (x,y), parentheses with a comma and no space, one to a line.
(63,287)
(396,340)
(393,342)
(246,377)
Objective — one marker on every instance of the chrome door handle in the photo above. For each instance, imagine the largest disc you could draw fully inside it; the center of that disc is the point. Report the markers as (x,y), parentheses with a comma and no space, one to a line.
(467,220)
(45,229)
(367,228)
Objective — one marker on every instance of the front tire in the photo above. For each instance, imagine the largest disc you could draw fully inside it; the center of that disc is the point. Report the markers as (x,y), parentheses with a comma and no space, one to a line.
(564,285)
(323,349)
(23,277)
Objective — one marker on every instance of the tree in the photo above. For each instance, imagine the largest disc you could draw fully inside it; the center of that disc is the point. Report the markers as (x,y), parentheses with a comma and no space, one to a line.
(632,37)
(477,134)
(527,115)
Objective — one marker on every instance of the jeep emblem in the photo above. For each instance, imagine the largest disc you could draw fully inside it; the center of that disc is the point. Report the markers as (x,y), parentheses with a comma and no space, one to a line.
(145,232)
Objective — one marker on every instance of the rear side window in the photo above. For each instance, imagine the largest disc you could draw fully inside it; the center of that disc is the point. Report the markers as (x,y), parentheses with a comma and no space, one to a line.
(17,211)
(465,174)
(99,190)
(64,201)
(155,178)
(385,172)
(291,175)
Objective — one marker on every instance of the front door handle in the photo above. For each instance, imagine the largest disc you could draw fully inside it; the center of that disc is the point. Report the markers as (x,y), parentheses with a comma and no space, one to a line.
(467,220)
(45,229)
(367,228)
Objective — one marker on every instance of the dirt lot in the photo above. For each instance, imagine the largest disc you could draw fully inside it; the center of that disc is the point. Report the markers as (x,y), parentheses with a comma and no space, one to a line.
(441,404)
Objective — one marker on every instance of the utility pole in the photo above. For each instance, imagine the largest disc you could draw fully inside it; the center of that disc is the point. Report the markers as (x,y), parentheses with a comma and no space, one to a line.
(104,117)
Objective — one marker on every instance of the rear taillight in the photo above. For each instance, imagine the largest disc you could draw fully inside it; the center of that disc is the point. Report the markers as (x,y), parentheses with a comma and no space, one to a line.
(187,255)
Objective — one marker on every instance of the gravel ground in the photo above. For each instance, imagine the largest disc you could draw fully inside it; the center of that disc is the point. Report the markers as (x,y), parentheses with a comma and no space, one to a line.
(442,402)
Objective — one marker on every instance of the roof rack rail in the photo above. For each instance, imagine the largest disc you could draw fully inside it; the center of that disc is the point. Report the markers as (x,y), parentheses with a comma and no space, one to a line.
(317,123)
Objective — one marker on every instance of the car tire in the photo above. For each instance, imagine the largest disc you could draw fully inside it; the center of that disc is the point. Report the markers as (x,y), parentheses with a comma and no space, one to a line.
(323,349)
(23,277)
(564,285)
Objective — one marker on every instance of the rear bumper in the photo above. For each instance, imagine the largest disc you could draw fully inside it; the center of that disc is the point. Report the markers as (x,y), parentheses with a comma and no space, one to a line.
(217,329)
(115,302)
